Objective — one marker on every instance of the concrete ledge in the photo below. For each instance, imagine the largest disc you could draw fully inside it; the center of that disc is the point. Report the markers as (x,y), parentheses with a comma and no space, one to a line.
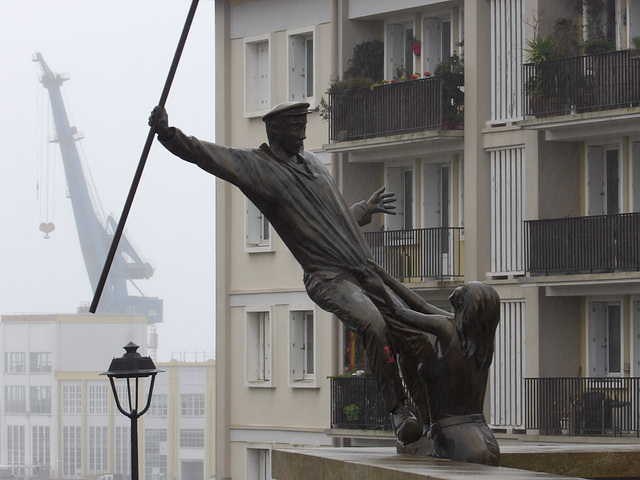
(583,460)
(382,464)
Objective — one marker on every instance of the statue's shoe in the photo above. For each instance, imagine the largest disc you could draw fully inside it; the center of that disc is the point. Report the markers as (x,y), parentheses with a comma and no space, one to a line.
(405,425)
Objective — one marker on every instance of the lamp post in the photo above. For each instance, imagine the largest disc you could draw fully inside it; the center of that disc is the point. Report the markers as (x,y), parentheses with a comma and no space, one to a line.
(132,366)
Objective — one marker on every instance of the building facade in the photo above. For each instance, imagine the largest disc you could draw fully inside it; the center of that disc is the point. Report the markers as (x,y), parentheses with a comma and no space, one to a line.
(59,419)
(508,169)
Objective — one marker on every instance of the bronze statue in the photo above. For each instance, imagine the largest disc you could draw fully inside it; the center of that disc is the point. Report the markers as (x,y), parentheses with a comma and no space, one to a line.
(296,193)
(455,369)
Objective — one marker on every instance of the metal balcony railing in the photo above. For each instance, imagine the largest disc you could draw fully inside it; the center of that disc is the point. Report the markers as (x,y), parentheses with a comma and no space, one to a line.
(582,84)
(583,406)
(424,253)
(356,403)
(397,108)
(595,244)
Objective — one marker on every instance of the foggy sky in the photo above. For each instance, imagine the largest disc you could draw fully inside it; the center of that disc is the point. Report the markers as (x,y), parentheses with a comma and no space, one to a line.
(117,54)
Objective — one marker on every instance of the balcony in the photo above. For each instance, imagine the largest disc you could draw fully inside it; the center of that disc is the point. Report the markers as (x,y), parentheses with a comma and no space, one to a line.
(397,108)
(555,406)
(418,254)
(588,83)
(583,406)
(356,404)
(595,244)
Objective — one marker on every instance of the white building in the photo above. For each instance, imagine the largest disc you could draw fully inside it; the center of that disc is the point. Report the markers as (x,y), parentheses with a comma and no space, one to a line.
(59,420)
(531,185)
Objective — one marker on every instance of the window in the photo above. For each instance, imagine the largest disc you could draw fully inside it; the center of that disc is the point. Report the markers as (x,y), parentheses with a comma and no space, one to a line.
(15,445)
(40,400)
(603,183)
(155,461)
(122,450)
(98,448)
(71,451)
(192,404)
(301,68)
(437,42)
(258,464)
(257,229)
(159,405)
(302,354)
(400,181)
(41,446)
(14,400)
(258,348)
(257,76)
(398,52)
(40,362)
(14,362)
(98,399)
(191,438)
(605,349)
(71,399)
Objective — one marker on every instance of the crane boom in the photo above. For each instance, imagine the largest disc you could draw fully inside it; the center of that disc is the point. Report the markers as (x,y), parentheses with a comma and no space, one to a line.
(94,235)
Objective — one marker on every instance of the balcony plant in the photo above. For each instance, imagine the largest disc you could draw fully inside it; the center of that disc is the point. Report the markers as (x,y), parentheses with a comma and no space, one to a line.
(541,86)
(452,96)
(366,68)
(415,45)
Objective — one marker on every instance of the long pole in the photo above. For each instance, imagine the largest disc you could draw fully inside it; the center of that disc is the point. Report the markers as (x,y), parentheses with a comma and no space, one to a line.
(134,445)
(143,159)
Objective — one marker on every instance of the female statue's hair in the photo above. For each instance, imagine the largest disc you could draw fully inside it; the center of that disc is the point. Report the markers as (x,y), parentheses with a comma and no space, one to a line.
(477,313)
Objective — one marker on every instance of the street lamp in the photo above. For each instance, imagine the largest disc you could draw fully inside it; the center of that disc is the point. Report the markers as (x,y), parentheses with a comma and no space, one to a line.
(132,366)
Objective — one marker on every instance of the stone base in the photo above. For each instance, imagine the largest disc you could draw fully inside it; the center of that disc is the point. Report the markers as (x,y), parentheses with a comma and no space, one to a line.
(384,464)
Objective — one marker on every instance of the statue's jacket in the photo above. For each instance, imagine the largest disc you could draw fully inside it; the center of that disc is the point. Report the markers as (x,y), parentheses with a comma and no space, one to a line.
(301,200)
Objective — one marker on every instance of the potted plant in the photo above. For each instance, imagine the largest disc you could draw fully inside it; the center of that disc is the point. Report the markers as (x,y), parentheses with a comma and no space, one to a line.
(415,45)
(541,84)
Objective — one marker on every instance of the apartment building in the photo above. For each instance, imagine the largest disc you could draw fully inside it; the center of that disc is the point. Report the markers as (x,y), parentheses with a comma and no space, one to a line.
(512,169)
(59,419)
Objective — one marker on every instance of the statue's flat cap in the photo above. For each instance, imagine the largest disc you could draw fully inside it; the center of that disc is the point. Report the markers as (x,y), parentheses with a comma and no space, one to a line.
(286,109)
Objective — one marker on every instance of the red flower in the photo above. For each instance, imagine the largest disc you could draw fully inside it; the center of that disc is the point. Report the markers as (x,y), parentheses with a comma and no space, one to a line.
(427,74)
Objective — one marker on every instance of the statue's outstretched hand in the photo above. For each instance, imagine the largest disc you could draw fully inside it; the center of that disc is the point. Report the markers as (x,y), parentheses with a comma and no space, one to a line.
(160,120)
(381,202)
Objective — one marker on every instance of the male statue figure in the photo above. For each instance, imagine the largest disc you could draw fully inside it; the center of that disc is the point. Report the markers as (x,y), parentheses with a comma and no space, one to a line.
(295,192)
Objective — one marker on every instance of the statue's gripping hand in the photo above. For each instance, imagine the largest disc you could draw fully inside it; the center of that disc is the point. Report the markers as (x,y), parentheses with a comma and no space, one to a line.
(159,119)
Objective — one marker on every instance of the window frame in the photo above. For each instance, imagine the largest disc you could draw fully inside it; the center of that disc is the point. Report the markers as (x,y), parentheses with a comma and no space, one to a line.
(191,438)
(306,33)
(595,343)
(255,227)
(396,181)
(40,362)
(40,404)
(15,400)
(15,362)
(298,330)
(251,354)
(391,47)
(193,408)
(253,105)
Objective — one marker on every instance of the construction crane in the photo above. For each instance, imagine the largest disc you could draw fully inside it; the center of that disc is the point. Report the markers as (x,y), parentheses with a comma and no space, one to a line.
(94,234)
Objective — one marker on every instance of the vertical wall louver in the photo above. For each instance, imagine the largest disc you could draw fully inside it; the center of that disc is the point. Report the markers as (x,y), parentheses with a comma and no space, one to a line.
(507,369)
(506,60)
(507,194)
